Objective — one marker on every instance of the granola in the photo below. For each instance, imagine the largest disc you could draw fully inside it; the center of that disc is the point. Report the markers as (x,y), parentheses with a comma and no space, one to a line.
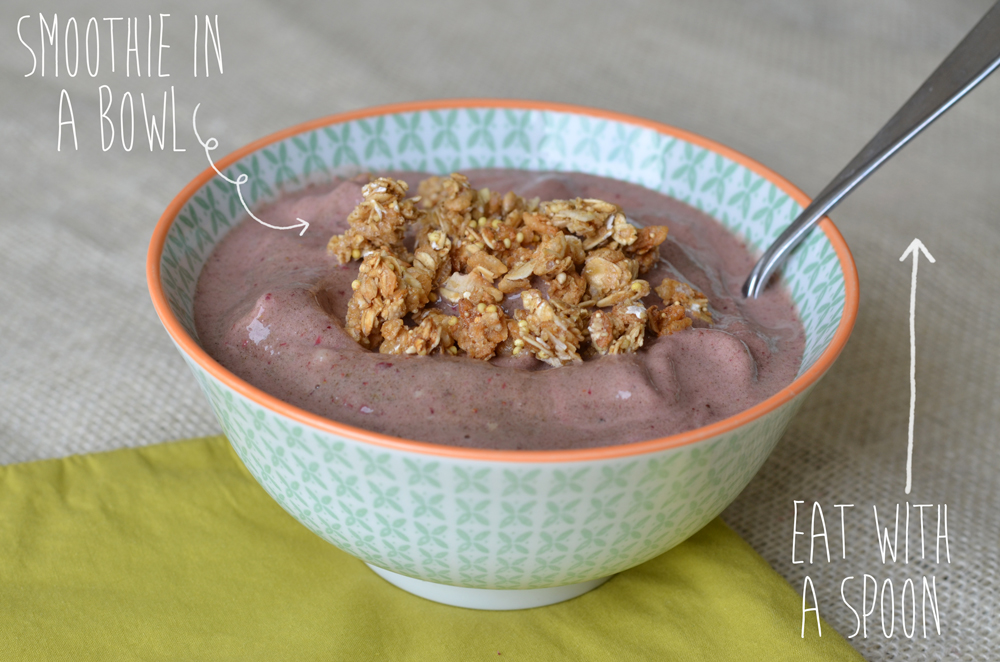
(434,331)
(575,265)
(619,330)
(674,292)
(550,334)
(382,292)
(379,222)
(480,328)
(670,319)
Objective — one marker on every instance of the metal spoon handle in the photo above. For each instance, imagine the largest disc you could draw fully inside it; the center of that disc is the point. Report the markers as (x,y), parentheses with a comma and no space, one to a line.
(973,59)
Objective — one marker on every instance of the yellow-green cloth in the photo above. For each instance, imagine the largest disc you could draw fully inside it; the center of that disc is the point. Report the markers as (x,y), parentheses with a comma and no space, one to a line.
(173,552)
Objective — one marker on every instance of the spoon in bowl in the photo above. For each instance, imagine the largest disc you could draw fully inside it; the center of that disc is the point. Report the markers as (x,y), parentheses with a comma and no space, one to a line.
(973,60)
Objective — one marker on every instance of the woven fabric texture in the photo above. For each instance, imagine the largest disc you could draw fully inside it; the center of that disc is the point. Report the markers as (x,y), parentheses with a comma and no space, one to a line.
(798,86)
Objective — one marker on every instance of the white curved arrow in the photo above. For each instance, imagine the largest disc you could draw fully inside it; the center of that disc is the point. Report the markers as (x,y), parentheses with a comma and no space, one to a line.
(915,248)
(210,145)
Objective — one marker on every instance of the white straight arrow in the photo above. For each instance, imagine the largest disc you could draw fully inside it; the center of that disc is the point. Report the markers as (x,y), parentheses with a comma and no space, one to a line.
(915,248)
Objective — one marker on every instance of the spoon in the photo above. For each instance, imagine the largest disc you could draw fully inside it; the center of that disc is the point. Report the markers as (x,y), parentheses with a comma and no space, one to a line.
(973,60)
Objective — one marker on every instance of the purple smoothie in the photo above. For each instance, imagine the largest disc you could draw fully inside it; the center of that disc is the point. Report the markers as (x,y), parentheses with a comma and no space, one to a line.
(256,314)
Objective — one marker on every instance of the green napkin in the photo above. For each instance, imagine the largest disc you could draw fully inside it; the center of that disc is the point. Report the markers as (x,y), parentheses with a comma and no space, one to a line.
(173,552)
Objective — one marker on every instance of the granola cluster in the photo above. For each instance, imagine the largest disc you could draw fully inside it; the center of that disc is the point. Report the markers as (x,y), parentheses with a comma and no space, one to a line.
(575,264)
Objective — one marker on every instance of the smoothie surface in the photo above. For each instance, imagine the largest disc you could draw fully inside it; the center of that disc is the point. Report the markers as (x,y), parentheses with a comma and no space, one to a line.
(257,313)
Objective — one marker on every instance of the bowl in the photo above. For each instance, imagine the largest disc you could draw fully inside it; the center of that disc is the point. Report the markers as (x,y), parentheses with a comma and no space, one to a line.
(500,529)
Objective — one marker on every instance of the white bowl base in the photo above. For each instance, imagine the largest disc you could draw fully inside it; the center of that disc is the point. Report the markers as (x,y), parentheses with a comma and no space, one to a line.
(495,599)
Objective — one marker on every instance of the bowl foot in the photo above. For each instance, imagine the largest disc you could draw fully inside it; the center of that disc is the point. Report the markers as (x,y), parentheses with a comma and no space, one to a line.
(495,599)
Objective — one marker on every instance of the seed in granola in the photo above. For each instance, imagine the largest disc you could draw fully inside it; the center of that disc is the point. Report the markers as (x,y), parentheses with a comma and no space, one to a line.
(480,245)
(355,284)
(490,308)
(482,307)
(453,350)
(506,242)
(519,237)
(356,254)
(523,324)
(561,278)
(436,239)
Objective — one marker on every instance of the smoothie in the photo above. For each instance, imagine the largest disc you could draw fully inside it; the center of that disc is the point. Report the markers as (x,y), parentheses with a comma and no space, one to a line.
(271,307)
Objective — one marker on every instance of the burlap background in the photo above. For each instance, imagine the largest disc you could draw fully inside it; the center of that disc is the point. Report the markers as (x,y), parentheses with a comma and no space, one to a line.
(798,85)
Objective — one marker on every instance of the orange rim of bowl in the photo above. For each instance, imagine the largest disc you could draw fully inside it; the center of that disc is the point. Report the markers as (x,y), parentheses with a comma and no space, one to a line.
(188,345)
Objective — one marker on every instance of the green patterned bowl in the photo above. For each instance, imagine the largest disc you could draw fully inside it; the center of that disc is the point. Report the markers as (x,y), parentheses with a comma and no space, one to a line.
(500,529)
